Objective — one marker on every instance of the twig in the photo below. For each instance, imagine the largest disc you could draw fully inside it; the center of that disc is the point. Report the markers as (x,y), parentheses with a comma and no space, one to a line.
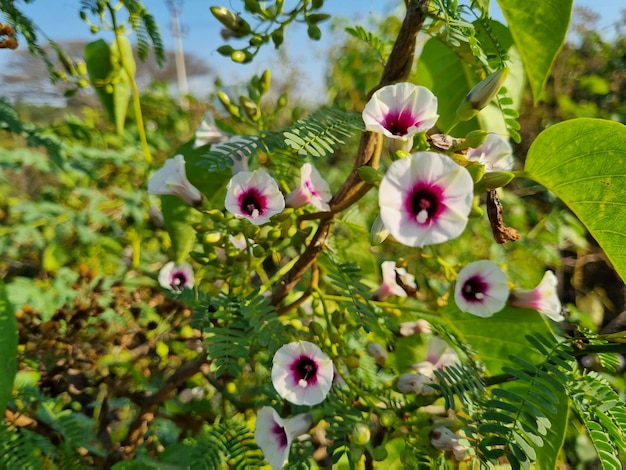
(397,69)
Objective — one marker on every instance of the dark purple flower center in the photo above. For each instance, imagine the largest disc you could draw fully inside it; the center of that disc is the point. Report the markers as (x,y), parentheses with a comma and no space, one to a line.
(252,200)
(309,185)
(178,280)
(281,436)
(305,371)
(474,289)
(424,203)
(398,123)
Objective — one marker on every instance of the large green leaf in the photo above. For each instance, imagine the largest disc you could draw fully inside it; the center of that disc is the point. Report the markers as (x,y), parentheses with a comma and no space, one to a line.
(495,338)
(8,348)
(583,162)
(538,28)
(178,218)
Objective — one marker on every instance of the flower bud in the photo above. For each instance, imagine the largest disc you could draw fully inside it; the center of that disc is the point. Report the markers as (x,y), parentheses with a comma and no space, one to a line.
(232,21)
(361,433)
(378,352)
(250,108)
(482,93)
(378,233)
(497,179)
(415,383)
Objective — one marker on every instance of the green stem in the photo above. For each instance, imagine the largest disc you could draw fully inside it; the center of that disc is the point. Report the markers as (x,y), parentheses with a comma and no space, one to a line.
(136,100)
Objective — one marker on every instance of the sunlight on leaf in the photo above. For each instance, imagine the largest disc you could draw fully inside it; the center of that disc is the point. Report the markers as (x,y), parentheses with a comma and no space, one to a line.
(583,162)
(539,28)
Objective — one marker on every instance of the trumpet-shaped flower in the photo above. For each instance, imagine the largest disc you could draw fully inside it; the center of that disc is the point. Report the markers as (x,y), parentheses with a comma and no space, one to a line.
(389,285)
(425,199)
(481,289)
(495,153)
(176,277)
(400,111)
(301,373)
(543,298)
(444,439)
(313,190)
(438,355)
(172,179)
(254,196)
(378,352)
(274,434)
(415,383)
(208,133)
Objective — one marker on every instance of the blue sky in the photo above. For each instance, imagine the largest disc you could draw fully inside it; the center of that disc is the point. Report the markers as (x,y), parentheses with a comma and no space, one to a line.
(201,34)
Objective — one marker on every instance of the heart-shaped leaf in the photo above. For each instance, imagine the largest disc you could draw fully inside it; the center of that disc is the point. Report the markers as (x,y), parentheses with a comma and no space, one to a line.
(538,28)
(583,162)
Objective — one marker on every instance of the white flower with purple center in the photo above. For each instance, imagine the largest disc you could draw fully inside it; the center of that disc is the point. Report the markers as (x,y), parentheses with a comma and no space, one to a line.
(274,434)
(302,374)
(400,111)
(412,382)
(543,298)
(389,285)
(313,190)
(425,199)
(495,153)
(254,196)
(171,179)
(176,277)
(481,289)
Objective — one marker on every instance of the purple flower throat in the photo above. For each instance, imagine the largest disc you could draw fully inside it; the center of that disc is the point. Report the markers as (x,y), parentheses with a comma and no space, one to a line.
(398,123)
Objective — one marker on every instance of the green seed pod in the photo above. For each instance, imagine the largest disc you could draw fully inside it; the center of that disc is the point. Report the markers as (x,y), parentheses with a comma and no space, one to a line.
(284,215)
(482,93)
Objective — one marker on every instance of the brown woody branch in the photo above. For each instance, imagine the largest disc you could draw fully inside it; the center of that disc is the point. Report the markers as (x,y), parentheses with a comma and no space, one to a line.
(397,69)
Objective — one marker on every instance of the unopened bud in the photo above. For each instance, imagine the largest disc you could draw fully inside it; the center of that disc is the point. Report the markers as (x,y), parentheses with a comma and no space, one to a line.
(378,352)
(482,93)
(472,140)
(361,434)
(250,108)
(497,179)
(378,233)
(232,21)
(415,383)
(265,81)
